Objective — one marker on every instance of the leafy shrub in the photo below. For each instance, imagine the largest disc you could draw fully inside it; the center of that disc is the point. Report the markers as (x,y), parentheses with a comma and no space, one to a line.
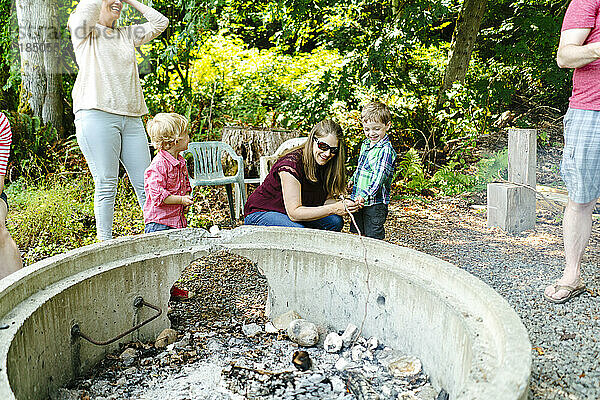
(55,216)
(51,218)
(37,151)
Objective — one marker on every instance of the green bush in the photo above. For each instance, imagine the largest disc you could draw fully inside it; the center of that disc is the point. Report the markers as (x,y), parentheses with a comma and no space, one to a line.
(55,216)
(51,218)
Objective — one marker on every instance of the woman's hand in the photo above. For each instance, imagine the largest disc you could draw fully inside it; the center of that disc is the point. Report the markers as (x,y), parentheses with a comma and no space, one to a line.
(342,207)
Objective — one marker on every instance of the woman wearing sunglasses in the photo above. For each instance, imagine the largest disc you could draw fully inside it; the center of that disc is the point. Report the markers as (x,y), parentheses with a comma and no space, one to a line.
(303,186)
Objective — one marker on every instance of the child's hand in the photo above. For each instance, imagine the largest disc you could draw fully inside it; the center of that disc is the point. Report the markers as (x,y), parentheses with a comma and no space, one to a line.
(186,200)
(360,201)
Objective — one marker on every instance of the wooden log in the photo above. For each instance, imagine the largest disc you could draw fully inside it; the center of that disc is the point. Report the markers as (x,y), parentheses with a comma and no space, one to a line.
(522,155)
(251,143)
(510,207)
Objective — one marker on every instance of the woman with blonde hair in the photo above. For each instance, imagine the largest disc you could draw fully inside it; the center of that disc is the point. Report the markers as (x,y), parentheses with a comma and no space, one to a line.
(107,98)
(304,188)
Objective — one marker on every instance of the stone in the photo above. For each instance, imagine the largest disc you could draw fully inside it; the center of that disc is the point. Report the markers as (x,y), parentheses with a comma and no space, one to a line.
(407,396)
(270,328)
(405,366)
(128,356)
(214,229)
(333,343)
(337,384)
(251,330)
(121,381)
(282,322)
(427,392)
(357,352)
(183,343)
(388,392)
(372,343)
(165,338)
(349,334)
(342,364)
(303,332)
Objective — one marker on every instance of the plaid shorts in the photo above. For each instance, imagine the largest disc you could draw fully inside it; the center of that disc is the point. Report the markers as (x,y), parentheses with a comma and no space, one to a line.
(580,167)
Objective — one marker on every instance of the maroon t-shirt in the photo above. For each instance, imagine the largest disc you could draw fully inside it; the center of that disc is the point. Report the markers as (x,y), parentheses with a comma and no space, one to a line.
(269,195)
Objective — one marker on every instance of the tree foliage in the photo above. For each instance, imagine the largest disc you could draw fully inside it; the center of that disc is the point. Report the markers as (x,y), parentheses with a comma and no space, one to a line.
(288,64)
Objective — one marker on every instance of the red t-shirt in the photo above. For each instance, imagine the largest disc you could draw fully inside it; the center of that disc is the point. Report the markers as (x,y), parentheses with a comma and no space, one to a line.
(269,195)
(583,14)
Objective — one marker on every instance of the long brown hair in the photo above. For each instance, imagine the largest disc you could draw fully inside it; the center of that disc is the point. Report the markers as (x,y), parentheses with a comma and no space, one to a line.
(335,169)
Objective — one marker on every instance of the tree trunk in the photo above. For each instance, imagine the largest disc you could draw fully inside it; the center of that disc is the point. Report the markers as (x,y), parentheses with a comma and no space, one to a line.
(463,41)
(251,143)
(39,47)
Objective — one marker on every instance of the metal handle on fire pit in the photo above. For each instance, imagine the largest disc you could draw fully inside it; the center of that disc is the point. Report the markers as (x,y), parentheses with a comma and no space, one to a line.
(138,302)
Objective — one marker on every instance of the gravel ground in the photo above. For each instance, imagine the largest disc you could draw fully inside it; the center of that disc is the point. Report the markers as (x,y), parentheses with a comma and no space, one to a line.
(565,338)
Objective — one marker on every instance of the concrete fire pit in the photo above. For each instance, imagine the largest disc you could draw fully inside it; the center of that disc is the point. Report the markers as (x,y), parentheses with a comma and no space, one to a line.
(470,341)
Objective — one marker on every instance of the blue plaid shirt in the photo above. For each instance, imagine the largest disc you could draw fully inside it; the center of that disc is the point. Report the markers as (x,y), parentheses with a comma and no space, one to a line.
(372,179)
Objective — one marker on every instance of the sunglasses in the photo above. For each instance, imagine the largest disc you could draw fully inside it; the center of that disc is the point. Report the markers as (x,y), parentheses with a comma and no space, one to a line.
(324,146)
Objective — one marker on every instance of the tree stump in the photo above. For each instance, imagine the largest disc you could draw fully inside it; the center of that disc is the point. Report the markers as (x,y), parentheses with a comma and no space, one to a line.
(511,206)
(252,143)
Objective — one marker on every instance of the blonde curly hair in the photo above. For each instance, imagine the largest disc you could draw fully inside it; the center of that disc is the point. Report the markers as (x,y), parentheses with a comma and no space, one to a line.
(166,128)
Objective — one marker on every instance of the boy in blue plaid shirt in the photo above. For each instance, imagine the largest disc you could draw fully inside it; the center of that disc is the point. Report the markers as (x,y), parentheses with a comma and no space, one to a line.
(372,180)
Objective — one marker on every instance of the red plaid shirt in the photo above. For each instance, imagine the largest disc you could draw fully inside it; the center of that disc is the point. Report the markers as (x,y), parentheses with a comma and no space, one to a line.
(164,177)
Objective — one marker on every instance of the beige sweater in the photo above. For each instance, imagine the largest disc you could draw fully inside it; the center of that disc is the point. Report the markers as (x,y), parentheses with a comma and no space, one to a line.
(108,78)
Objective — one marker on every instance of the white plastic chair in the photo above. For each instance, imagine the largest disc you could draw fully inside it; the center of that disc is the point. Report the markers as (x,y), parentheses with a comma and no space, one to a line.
(266,162)
(208,171)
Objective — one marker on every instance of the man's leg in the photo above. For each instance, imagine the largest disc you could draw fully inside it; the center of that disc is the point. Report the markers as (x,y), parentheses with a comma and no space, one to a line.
(577,228)
(10,257)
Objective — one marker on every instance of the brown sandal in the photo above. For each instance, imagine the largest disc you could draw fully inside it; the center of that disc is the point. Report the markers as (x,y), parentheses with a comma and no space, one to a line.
(572,292)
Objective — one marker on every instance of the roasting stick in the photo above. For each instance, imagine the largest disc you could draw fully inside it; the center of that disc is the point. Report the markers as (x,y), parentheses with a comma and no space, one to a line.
(362,323)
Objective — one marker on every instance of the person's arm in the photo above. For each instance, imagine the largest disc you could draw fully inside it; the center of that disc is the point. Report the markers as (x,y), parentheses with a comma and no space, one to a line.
(292,200)
(572,53)
(383,167)
(176,199)
(83,20)
(155,183)
(156,24)
(1,184)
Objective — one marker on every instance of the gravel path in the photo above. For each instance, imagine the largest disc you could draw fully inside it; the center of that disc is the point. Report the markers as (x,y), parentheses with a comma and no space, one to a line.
(565,338)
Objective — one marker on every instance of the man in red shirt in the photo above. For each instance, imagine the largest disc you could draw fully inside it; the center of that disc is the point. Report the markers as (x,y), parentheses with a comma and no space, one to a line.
(10,257)
(579,48)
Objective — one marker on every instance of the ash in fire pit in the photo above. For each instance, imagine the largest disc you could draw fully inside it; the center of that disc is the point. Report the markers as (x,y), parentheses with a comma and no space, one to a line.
(223,347)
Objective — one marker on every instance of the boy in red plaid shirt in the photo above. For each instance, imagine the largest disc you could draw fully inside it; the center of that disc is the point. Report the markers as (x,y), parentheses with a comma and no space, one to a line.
(166,180)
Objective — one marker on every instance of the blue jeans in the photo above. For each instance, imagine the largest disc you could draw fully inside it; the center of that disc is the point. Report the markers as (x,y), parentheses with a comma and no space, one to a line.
(105,140)
(273,218)
(156,227)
